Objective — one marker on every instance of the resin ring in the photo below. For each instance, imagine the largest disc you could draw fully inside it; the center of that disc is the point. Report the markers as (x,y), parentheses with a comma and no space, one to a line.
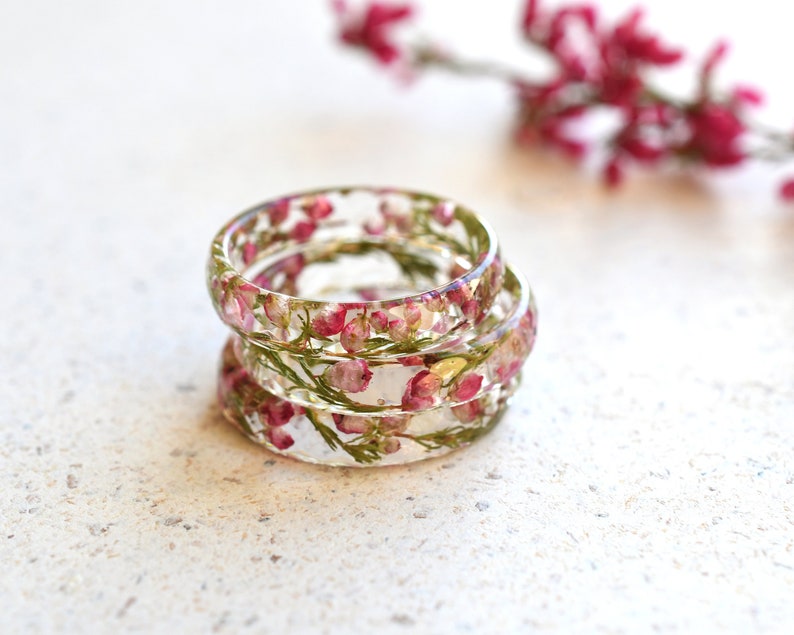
(361,253)
(330,438)
(452,372)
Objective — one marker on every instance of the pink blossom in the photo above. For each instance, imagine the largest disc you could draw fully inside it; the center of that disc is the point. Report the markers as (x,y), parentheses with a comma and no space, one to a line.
(634,45)
(412,314)
(393,217)
(399,330)
(620,88)
(238,305)
(595,65)
(371,29)
(277,412)
(350,424)
(787,190)
(529,16)
(317,208)
(374,228)
(350,375)
(330,320)
(715,135)
(277,309)
(747,96)
(434,302)
(467,412)
(443,212)
(421,391)
(293,265)
(302,231)
(555,38)
(280,438)
(355,334)
(379,321)
(278,211)
(262,281)
(460,294)
(466,387)
(230,379)
(613,173)
(509,356)
(713,59)
(509,370)
(248,294)
(470,309)
(249,253)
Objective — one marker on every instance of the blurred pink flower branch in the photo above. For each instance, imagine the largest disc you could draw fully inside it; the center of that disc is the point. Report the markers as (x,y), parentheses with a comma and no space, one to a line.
(596,66)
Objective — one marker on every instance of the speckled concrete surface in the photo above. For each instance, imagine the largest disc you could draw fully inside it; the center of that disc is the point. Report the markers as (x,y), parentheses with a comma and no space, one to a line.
(642,482)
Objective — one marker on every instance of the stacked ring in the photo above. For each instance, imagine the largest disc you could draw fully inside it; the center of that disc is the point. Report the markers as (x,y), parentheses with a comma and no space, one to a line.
(371,326)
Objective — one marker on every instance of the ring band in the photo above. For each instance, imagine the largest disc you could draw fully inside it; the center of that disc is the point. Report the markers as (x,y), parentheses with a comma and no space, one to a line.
(330,438)
(420,231)
(487,355)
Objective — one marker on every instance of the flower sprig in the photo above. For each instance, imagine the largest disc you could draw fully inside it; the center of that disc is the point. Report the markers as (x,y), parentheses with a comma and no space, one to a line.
(596,66)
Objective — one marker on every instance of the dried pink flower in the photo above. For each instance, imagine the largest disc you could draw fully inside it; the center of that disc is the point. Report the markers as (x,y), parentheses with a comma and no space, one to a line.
(443,212)
(412,314)
(318,208)
(277,309)
(355,334)
(280,438)
(302,231)
(600,66)
(277,412)
(279,211)
(613,173)
(238,305)
(421,392)
(399,330)
(466,387)
(470,309)
(330,320)
(434,302)
(350,424)
(630,43)
(379,321)
(350,375)
(715,135)
(249,253)
(467,412)
(371,28)
(787,190)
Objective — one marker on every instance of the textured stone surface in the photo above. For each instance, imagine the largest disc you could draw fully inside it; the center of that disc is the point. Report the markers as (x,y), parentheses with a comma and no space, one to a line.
(642,481)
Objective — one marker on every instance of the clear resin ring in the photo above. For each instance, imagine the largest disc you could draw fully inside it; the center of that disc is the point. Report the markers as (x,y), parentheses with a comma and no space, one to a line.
(364,252)
(457,370)
(329,438)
